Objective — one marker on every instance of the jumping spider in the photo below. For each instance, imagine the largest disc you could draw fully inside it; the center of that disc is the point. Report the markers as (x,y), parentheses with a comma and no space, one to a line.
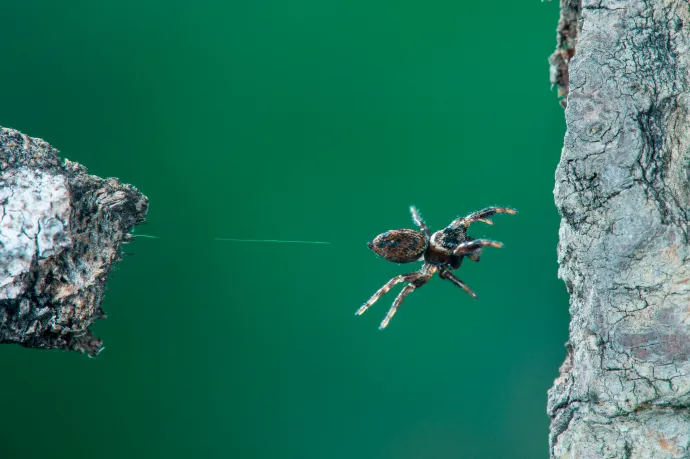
(441,252)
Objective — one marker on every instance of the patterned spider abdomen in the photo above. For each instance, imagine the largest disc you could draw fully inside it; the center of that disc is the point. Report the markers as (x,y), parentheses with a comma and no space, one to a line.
(399,246)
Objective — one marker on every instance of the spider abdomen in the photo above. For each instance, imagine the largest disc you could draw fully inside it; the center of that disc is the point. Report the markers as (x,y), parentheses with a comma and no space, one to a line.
(399,246)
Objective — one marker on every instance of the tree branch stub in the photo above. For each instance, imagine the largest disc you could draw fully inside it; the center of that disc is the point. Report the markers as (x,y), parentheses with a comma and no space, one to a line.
(60,233)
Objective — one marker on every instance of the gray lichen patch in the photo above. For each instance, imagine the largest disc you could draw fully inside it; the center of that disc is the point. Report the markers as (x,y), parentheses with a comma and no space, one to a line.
(60,233)
(34,224)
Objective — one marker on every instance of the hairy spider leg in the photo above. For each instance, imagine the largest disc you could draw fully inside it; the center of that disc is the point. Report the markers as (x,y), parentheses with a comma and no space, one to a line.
(471,246)
(419,222)
(481,216)
(447,275)
(396,304)
(474,256)
(409,277)
(423,279)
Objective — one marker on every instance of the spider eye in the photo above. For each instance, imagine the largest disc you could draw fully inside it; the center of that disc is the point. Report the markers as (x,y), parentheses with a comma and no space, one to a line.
(399,246)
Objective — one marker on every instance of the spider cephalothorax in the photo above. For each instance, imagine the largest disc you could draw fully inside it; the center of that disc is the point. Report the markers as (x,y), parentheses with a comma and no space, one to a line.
(441,252)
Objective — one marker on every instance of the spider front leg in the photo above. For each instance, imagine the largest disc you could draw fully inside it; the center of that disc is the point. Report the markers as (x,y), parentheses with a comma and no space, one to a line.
(471,246)
(481,216)
(447,275)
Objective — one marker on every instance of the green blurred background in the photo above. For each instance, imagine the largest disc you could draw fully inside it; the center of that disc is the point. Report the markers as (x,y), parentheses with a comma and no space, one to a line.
(305,120)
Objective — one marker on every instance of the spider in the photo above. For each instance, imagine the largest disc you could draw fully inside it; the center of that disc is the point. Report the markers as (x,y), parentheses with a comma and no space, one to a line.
(441,252)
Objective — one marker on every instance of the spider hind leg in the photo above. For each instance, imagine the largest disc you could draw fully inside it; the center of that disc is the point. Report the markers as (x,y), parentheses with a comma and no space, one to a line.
(416,280)
(419,222)
(396,304)
(383,290)
(409,288)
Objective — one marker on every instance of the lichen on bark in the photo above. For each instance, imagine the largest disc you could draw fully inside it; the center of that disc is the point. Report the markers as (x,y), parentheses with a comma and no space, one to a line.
(61,231)
(623,192)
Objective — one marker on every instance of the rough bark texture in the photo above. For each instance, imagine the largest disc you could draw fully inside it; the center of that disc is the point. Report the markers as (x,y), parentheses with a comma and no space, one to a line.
(623,190)
(60,232)
(565,47)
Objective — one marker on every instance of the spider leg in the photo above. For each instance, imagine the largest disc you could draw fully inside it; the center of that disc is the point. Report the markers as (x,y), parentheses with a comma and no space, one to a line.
(481,216)
(419,222)
(474,256)
(383,290)
(471,246)
(447,275)
(423,279)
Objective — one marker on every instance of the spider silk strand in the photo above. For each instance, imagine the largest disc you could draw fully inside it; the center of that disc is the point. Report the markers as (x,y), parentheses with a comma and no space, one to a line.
(269,240)
(246,240)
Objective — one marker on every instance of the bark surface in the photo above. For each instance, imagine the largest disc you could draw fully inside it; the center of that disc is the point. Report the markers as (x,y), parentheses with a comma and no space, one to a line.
(623,191)
(60,233)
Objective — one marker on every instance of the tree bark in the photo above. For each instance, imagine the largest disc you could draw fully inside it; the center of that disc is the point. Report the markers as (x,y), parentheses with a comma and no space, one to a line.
(623,190)
(60,233)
